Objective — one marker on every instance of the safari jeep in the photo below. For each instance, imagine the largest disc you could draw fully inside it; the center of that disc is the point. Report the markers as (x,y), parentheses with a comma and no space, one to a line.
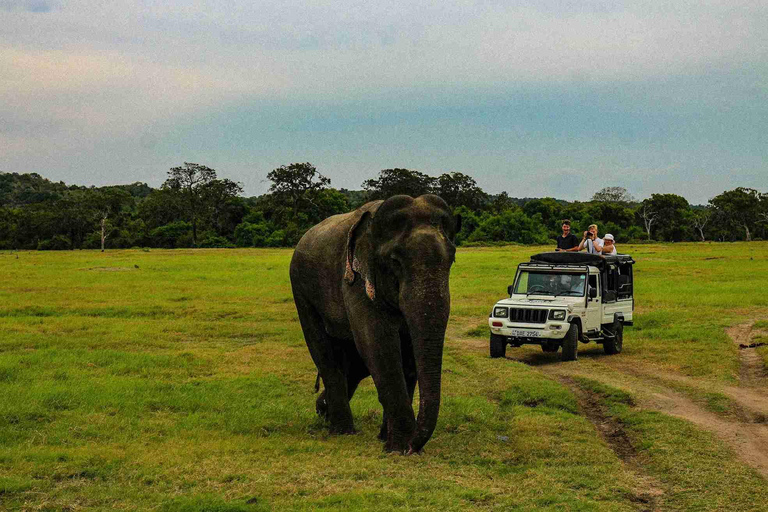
(559,299)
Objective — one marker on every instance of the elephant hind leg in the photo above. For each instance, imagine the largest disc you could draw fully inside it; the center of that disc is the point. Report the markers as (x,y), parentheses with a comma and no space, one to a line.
(354,368)
(333,403)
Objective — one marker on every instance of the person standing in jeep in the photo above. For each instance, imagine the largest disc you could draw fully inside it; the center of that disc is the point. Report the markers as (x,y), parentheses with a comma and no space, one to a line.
(567,241)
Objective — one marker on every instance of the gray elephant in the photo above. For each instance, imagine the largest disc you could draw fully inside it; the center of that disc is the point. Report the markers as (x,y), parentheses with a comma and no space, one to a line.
(371,290)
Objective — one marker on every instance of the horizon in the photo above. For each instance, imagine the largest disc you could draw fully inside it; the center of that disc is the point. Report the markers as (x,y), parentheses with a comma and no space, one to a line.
(636,200)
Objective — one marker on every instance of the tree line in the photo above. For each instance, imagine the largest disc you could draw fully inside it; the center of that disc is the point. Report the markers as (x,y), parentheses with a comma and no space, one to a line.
(196,208)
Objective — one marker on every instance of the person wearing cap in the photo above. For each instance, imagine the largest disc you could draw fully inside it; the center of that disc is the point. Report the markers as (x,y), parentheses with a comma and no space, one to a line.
(609,248)
(591,242)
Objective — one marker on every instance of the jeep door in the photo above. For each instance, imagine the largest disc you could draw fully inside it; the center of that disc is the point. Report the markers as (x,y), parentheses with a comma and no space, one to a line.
(593,316)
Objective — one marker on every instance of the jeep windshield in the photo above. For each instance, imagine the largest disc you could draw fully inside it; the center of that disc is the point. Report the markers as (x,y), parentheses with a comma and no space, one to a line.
(551,283)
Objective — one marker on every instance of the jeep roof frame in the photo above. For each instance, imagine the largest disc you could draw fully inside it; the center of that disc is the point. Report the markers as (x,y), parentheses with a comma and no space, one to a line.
(581,259)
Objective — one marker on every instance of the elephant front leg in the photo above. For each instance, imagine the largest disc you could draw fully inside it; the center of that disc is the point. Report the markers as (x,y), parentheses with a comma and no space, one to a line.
(379,344)
(409,372)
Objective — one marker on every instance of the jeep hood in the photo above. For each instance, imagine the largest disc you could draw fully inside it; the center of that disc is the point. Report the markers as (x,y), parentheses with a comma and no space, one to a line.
(540,301)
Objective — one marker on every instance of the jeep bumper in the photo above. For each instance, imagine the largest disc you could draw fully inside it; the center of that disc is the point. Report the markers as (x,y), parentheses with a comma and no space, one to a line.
(528,333)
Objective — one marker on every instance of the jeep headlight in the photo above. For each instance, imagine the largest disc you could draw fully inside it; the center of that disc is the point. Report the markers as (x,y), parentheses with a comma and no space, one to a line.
(500,312)
(557,314)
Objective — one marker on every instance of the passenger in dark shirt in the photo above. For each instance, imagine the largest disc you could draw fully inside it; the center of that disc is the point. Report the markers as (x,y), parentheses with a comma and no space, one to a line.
(567,241)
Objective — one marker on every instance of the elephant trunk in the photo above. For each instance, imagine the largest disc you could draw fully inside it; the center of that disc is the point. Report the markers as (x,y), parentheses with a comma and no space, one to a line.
(427,305)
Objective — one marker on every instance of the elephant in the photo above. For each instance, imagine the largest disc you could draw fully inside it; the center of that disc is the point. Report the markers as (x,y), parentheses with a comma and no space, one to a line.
(372,294)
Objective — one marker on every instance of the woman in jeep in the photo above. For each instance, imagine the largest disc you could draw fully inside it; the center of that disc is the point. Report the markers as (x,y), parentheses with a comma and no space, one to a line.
(609,248)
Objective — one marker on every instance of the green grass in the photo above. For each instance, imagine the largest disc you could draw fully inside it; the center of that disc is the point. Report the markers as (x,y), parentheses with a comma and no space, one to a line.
(179,380)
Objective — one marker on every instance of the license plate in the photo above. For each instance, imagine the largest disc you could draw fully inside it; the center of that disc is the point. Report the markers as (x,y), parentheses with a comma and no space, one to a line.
(525,334)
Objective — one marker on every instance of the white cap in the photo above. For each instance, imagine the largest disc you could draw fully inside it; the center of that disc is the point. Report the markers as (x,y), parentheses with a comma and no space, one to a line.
(608,236)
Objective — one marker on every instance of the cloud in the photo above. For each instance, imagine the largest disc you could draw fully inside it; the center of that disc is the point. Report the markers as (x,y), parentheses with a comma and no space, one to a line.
(435,85)
(35,6)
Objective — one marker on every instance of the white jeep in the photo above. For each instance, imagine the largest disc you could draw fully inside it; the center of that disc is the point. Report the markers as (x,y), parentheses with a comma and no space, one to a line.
(559,299)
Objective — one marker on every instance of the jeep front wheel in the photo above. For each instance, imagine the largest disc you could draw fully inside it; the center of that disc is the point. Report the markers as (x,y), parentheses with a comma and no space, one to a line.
(571,344)
(614,345)
(498,346)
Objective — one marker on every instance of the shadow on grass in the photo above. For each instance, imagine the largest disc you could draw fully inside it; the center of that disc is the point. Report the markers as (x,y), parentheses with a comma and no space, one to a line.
(547,358)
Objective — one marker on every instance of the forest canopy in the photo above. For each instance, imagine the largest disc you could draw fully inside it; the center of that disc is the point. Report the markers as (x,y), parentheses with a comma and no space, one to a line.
(195,207)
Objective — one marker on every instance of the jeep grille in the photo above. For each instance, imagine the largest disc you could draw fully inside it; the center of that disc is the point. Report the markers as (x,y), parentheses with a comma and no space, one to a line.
(528,316)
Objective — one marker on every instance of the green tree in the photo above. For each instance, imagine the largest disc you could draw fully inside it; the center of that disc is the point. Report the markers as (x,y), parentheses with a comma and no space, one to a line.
(392,182)
(550,210)
(668,213)
(458,189)
(200,192)
(613,195)
(510,226)
(742,208)
(297,185)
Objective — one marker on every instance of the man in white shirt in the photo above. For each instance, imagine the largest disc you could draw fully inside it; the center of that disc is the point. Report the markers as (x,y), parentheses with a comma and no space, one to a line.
(591,242)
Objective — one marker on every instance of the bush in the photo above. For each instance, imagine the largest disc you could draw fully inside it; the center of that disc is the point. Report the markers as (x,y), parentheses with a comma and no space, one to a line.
(276,239)
(216,241)
(57,243)
(175,234)
(252,235)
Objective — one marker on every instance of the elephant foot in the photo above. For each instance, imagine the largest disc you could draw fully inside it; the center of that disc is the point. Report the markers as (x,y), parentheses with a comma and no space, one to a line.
(411,451)
(396,446)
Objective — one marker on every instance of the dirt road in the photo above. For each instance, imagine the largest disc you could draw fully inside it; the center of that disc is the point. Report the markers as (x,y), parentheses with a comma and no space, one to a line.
(744,427)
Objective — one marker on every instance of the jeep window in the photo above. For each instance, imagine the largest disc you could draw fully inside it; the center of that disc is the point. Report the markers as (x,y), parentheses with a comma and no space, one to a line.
(550,283)
(609,283)
(625,281)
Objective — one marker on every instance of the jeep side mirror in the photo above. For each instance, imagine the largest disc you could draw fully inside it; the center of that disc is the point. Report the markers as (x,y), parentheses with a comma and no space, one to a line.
(509,290)
(593,293)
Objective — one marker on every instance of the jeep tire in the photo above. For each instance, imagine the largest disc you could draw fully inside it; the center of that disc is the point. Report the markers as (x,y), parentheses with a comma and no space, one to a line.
(498,346)
(614,345)
(571,344)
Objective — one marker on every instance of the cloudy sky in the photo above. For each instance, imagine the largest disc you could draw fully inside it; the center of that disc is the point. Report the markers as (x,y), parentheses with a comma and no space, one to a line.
(537,98)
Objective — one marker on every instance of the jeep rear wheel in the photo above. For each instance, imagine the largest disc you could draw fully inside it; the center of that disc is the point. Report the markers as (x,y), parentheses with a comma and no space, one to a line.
(614,345)
(571,344)
(498,346)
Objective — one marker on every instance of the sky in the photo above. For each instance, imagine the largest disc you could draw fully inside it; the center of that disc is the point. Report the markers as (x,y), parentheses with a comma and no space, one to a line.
(536,98)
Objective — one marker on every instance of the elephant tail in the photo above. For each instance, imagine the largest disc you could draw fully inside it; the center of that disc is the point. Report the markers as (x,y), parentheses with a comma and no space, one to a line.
(317,383)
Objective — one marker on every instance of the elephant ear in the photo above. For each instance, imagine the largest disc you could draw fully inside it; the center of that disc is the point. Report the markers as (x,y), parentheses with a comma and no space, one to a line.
(353,264)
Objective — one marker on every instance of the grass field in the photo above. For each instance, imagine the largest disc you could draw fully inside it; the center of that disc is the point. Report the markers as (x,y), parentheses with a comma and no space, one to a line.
(180,381)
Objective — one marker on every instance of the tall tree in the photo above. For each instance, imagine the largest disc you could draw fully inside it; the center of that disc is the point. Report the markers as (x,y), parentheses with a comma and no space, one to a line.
(670,216)
(199,190)
(107,203)
(392,182)
(458,189)
(296,189)
(648,216)
(613,195)
(501,203)
(699,218)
